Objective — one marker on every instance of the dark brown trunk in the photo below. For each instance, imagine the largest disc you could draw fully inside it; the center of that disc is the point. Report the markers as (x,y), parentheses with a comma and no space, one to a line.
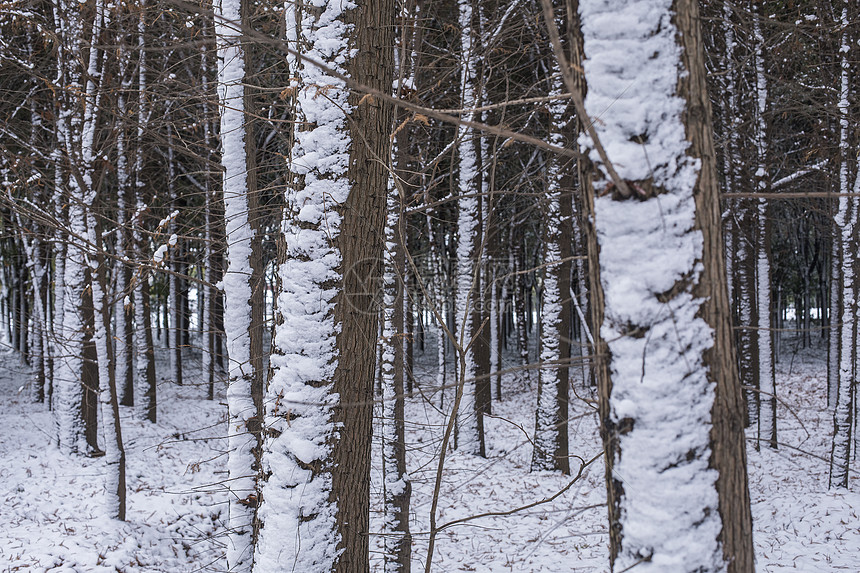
(90,374)
(360,244)
(256,331)
(150,396)
(728,455)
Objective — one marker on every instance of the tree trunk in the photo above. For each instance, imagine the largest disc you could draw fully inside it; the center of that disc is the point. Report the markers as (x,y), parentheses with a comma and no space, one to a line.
(122,305)
(315,488)
(242,411)
(469,418)
(145,384)
(395,482)
(767,375)
(551,414)
(667,368)
(846,222)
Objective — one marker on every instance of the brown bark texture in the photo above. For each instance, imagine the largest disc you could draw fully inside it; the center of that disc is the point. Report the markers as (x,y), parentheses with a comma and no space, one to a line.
(728,452)
(360,242)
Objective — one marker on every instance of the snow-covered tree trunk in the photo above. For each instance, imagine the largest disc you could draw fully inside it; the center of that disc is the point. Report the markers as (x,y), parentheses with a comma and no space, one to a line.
(122,305)
(551,442)
(114,452)
(740,227)
(207,268)
(315,486)
(767,375)
(144,383)
(59,287)
(38,282)
(22,331)
(396,486)
(242,414)
(440,296)
(846,221)
(835,313)
(469,420)
(174,300)
(670,403)
(115,493)
(495,340)
(68,390)
(747,308)
(731,161)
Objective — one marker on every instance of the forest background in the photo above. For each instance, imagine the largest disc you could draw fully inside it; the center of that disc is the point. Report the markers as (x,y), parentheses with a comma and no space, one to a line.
(183,176)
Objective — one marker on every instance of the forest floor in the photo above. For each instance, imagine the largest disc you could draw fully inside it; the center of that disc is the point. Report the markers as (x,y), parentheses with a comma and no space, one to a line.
(52,516)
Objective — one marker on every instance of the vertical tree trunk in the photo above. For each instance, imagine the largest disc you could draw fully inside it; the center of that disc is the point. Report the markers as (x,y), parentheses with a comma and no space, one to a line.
(395,482)
(122,305)
(144,385)
(208,267)
(668,368)
(173,326)
(315,489)
(243,414)
(68,391)
(551,414)
(767,376)
(846,222)
(469,418)
(90,382)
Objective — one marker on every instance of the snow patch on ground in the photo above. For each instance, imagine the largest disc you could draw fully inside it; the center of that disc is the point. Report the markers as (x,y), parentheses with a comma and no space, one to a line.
(52,517)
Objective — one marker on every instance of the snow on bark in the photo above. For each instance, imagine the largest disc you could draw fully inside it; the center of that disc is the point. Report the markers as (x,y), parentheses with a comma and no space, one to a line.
(68,391)
(173,336)
(395,526)
(122,348)
(468,232)
(144,384)
(731,127)
(113,446)
(114,451)
(237,290)
(495,355)
(835,316)
(59,289)
(549,420)
(846,222)
(299,531)
(767,381)
(747,347)
(440,300)
(650,258)
(843,414)
(206,269)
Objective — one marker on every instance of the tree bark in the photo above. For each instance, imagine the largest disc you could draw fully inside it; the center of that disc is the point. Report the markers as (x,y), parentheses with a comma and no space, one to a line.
(242,334)
(315,481)
(665,359)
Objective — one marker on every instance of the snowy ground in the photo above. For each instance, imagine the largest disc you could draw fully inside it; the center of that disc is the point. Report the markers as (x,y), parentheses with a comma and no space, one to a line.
(51,517)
